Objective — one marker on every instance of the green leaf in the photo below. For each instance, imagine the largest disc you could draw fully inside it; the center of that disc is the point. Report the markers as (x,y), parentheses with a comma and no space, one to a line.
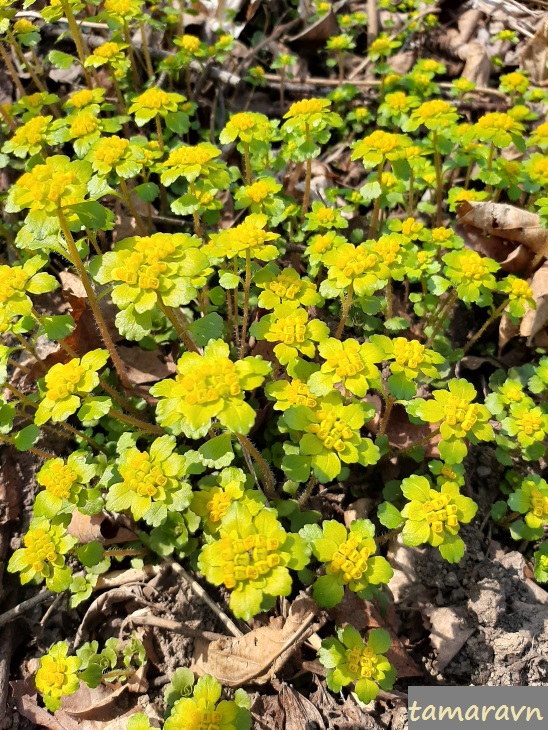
(452,549)
(400,387)
(60,60)
(93,408)
(228,280)
(58,327)
(90,554)
(327,591)
(93,215)
(26,437)
(147,191)
(207,328)
(379,641)
(389,516)
(217,452)
(453,451)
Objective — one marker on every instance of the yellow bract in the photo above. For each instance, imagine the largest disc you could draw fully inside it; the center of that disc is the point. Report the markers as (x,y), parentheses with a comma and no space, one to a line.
(58,479)
(141,476)
(439,512)
(350,560)
(331,430)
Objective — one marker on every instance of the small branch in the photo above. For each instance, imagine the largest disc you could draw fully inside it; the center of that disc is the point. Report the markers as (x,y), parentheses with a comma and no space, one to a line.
(177,627)
(24,606)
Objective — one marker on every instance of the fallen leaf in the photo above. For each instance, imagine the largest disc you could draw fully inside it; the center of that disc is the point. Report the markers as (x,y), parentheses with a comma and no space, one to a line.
(477,66)
(146,366)
(534,57)
(506,221)
(316,33)
(299,712)
(535,320)
(258,655)
(99,527)
(448,634)
(93,704)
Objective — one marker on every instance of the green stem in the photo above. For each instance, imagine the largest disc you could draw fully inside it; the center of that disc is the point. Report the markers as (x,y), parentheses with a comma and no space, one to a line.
(307,180)
(247,287)
(439,180)
(496,314)
(390,402)
(178,326)
(346,308)
(21,56)
(132,421)
(389,536)
(134,69)
(266,474)
(78,39)
(93,303)
(159,134)
(12,71)
(146,52)
(247,163)
(442,317)
(389,299)
(282,89)
(490,165)
(195,214)
(411,192)
(305,496)
(377,203)
(32,449)
(126,194)
(414,445)
(235,295)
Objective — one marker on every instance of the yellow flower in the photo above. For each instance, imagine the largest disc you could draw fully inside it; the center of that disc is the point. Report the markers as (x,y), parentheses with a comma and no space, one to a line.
(29,138)
(23,26)
(379,146)
(514,83)
(189,43)
(84,123)
(497,127)
(537,169)
(539,136)
(85,97)
(249,236)
(435,115)
(248,127)
(57,675)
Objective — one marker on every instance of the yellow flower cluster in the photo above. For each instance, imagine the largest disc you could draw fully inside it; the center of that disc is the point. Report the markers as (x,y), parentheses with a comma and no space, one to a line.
(331,430)
(350,560)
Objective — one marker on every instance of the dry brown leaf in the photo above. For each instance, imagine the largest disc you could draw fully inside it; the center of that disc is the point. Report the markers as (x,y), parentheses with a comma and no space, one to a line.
(99,527)
(505,221)
(316,33)
(535,319)
(145,366)
(299,711)
(448,634)
(93,704)
(258,655)
(534,57)
(507,331)
(477,67)
(26,701)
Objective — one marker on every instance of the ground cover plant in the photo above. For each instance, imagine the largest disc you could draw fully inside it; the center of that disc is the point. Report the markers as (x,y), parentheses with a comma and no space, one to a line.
(218,319)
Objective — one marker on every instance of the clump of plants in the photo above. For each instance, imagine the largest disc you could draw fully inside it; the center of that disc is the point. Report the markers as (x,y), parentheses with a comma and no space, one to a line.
(298,331)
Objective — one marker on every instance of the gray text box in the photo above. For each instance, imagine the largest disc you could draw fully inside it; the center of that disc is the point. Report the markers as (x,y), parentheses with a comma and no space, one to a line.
(456,708)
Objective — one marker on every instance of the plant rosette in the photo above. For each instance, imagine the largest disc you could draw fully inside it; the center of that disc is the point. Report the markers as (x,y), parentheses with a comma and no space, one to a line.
(530,500)
(459,418)
(57,675)
(18,281)
(289,326)
(209,386)
(540,567)
(350,560)
(529,425)
(327,437)
(203,709)
(65,484)
(217,492)
(284,286)
(348,363)
(435,517)
(67,384)
(353,265)
(350,659)
(152,482)
(409,360)
(145,269)
(252,558)
(43,555)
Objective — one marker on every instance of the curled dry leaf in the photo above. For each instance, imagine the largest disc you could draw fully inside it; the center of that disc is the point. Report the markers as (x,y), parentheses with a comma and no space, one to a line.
(534,57)
(258,655)
(535,320)
(506,221)
(299,711)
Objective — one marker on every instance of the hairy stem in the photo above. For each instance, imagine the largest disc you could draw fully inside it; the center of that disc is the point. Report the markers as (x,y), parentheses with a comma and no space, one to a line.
(496,314)
(132,421)
(267,477)
(178,326)
(439,180)
(346,308)
(247,287)
(126,194)
(93,303)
